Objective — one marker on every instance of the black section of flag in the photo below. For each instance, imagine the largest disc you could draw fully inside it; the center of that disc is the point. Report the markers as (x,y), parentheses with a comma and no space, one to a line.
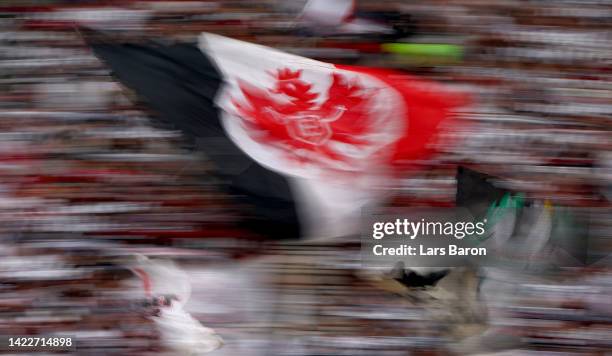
(476,192)
(179,82)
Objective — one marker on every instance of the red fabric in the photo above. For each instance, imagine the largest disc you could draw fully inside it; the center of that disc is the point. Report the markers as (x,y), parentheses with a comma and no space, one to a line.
(428,105)
(280,129)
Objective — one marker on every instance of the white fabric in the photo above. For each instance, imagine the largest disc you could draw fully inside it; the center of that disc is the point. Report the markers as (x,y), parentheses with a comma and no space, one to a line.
(165,278)
(183,334)
(179,331)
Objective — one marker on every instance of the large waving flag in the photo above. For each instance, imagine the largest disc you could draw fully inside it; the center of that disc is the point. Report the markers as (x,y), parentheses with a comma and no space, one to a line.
(305,143)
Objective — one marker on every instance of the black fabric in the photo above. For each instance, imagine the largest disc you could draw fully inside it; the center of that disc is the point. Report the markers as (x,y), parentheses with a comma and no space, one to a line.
(179,82)
(412,279)
(476,192)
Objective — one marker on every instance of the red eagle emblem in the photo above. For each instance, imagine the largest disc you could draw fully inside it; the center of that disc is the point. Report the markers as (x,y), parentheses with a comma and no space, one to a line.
(289,116)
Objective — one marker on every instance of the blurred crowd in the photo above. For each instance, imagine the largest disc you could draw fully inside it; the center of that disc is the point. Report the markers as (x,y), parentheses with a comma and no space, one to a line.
(86,177)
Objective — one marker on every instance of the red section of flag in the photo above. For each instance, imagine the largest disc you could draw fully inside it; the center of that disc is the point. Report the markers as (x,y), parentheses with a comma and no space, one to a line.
(300,123)
(287,115)
(428,105)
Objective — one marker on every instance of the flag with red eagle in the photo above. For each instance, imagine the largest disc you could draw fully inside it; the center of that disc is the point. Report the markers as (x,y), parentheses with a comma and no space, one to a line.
(306,144)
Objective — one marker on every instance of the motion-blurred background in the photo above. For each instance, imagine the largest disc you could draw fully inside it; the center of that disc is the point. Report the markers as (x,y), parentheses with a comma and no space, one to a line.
(88,180)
